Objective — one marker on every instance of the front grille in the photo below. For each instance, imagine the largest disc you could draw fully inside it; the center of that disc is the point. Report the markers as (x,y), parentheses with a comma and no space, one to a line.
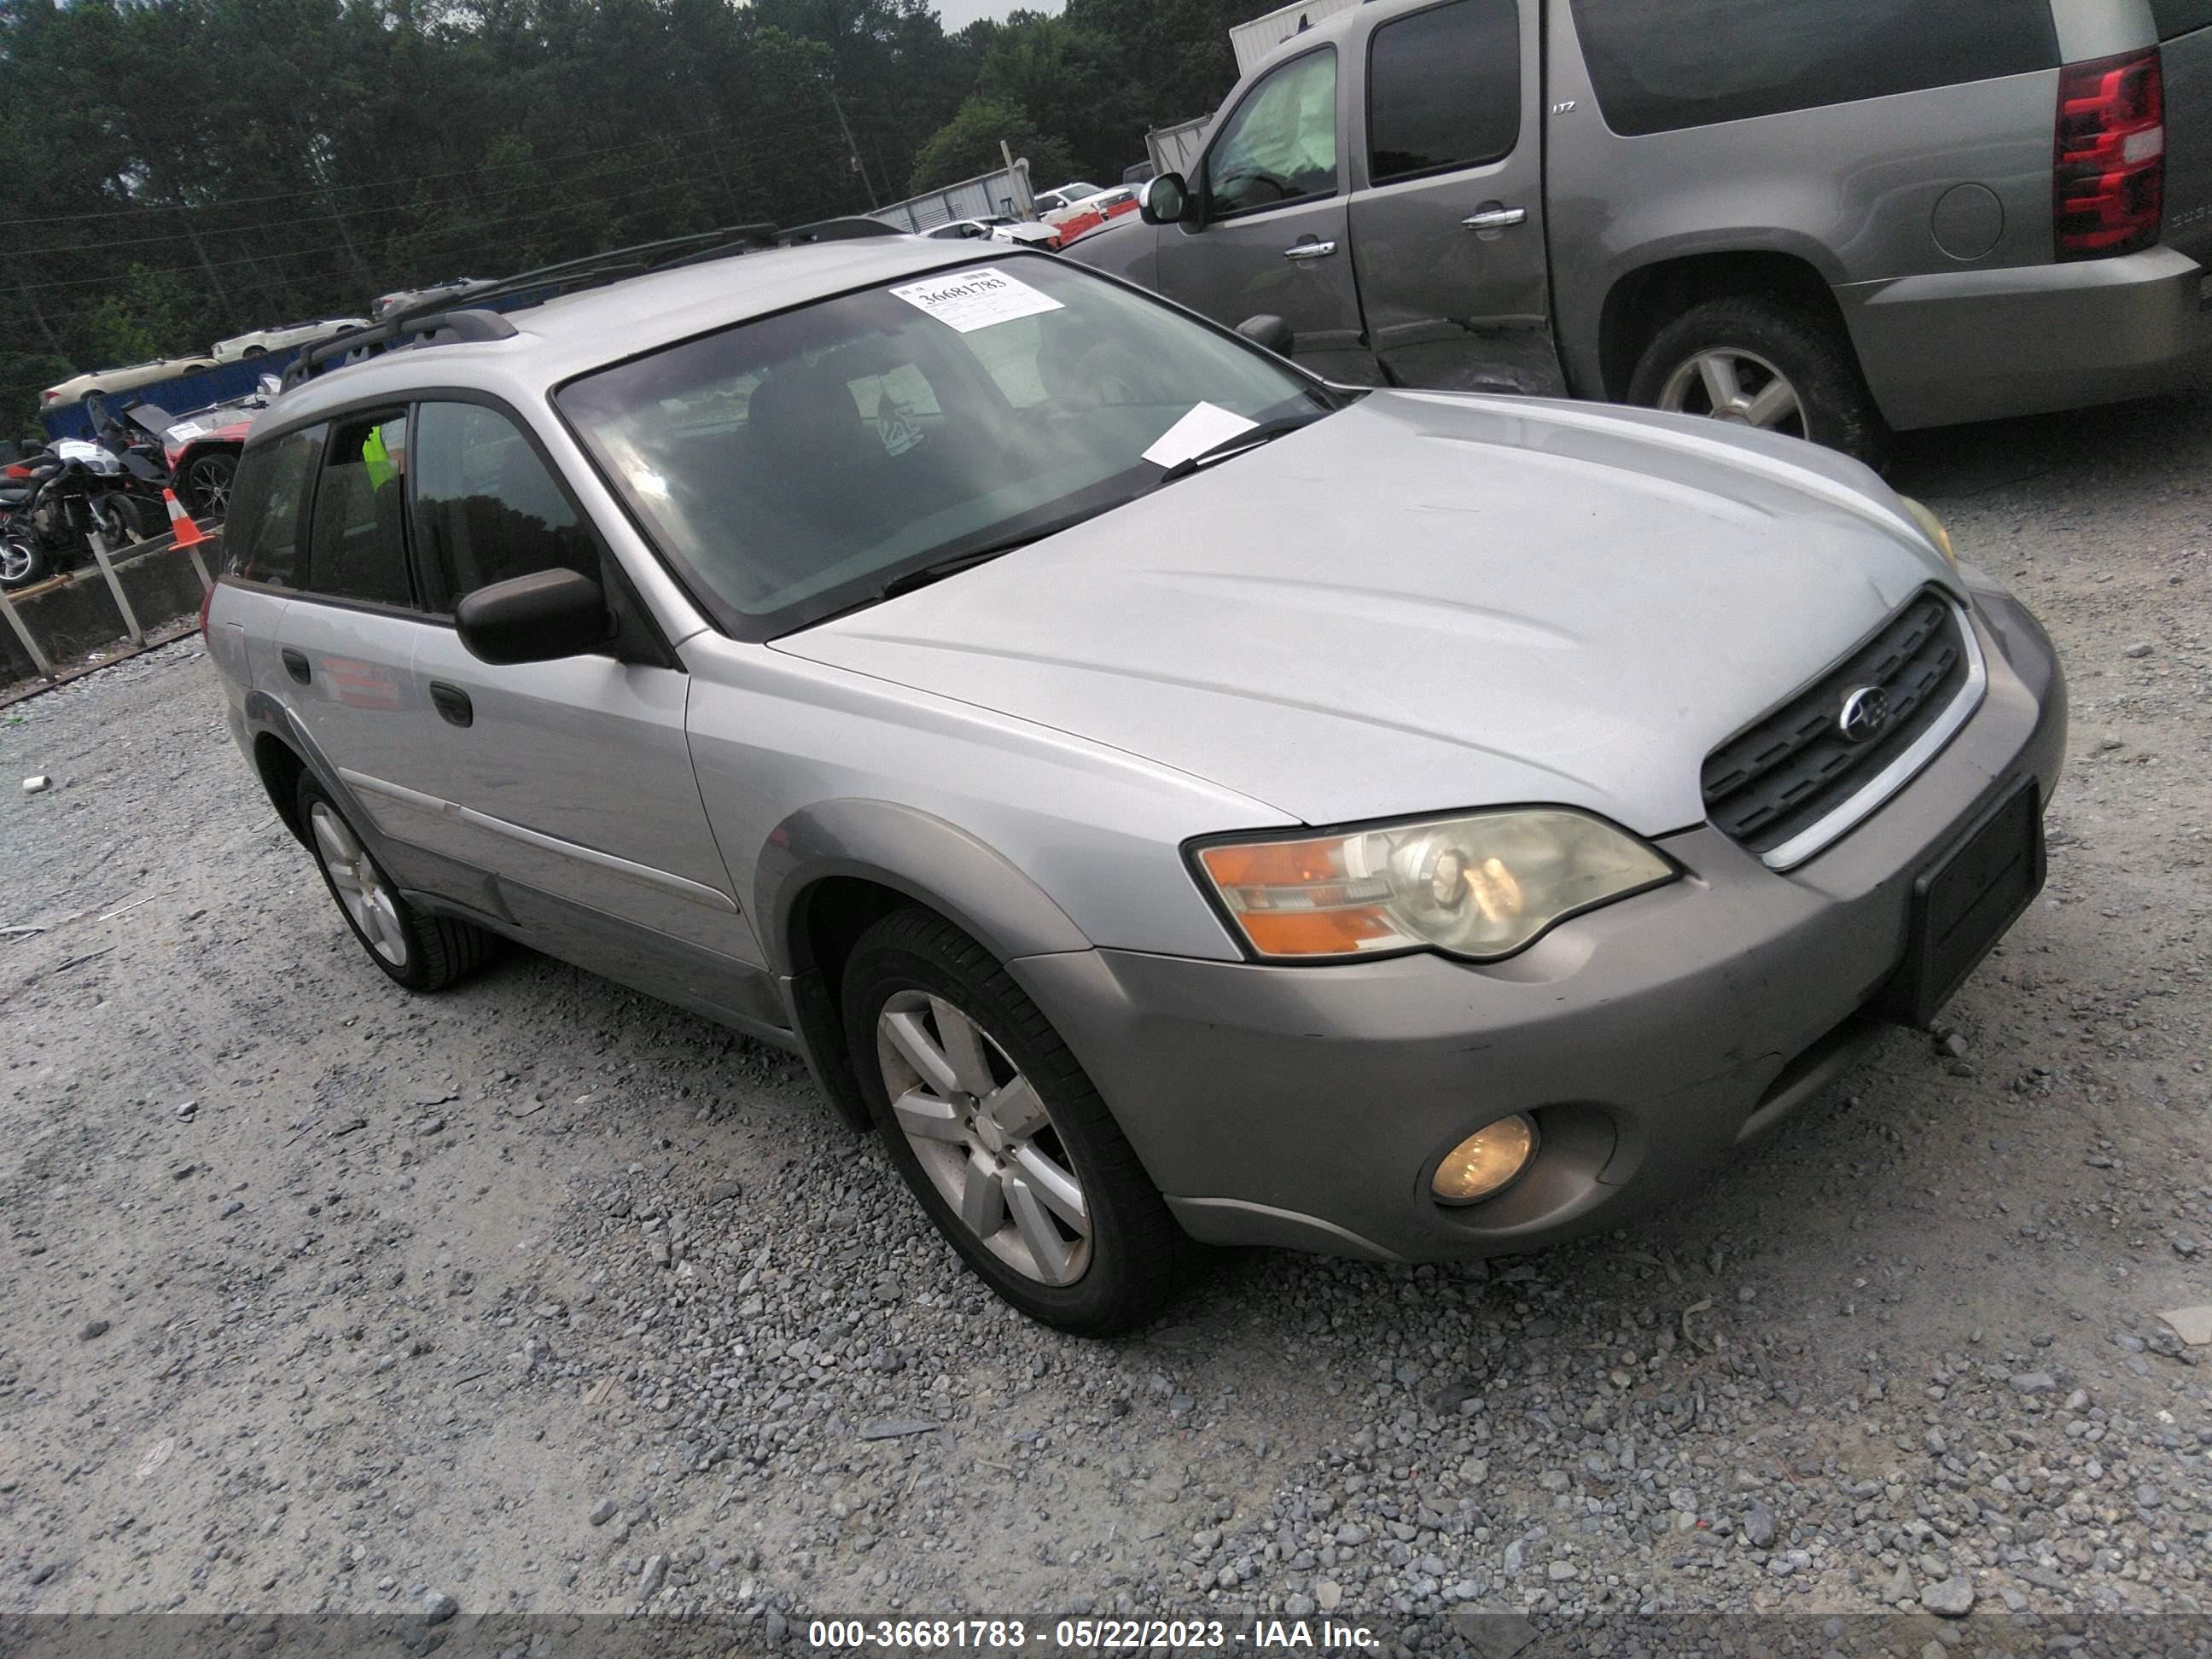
(1795,766)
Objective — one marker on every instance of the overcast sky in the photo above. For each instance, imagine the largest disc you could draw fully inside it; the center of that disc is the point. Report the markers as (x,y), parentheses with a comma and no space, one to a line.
(958,14)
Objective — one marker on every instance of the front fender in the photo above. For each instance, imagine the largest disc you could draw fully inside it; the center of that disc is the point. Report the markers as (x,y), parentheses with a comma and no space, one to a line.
(933,862)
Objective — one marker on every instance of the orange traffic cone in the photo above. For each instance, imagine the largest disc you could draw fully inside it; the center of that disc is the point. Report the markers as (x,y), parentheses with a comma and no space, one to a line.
(187,533)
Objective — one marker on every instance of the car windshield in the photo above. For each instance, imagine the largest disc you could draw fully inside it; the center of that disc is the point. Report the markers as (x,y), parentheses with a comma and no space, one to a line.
(795,466)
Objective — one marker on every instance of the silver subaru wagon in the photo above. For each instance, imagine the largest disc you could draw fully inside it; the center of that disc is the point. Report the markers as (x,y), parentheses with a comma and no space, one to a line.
(1168,796)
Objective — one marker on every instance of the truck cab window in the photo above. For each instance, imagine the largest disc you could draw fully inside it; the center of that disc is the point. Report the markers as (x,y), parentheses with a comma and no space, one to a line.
(1280,145)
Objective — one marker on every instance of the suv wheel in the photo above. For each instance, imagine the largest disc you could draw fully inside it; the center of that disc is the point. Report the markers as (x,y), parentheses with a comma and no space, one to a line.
(1766,363)
(421,952)
(999,1135)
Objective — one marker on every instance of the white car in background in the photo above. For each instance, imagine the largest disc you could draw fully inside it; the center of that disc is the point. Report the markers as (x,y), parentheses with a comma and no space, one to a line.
(121,380)
(1049,202)
(259,343)
(1023,232)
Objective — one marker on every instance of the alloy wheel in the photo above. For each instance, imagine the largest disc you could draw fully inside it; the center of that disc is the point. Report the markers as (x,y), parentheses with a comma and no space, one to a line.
(15,560)
(210,486)
(361,886)
(984,1138)
(1738,386)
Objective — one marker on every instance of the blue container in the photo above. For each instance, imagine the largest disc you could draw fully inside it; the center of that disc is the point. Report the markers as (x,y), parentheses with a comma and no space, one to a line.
(178,396)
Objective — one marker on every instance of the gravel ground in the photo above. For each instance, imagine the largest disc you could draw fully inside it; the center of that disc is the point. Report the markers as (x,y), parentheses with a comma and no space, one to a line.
(540,1296)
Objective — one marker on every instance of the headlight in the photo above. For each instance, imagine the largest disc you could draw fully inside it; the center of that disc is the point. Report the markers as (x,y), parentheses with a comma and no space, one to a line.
(1483,885)
(1932,527)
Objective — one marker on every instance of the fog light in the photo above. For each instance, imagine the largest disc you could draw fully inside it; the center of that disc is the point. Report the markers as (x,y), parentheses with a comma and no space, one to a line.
(1488,1162)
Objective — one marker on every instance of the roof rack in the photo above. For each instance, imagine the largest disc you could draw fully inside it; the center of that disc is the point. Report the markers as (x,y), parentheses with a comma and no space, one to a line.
(459,315)
(392,331)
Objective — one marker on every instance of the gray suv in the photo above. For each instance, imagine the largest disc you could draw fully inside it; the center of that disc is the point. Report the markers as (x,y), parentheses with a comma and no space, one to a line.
(1830,218)
(1168,796)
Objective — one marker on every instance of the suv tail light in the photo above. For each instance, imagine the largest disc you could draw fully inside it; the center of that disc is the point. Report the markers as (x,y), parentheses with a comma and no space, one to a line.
(2108,187)
(206,604)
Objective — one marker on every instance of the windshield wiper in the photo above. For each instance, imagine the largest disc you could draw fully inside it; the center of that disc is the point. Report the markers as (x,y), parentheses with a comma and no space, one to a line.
(1250,438)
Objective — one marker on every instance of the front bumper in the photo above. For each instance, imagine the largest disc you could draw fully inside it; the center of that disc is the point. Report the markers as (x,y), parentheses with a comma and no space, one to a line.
(1309,1107)
(1977,345)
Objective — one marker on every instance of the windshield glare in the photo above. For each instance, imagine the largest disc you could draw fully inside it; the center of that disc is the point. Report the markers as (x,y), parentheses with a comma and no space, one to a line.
(793,465)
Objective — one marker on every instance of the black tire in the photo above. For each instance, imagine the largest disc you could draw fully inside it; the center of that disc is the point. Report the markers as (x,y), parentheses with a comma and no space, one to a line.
(203,484)
(436,949)
(121,519)
(253,351)
(23,562)
(1134,1245)
(1807,348)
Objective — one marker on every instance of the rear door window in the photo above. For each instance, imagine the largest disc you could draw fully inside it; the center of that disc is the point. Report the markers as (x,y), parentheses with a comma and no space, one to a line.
(1443,89)
(358,549)
(1659,65)
(1279,145)
(263,534)
(487,508)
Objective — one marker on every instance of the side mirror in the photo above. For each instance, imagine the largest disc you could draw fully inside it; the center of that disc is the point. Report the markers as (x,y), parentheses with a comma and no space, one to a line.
(268,385)
(1269,330)
(1165,200)
(546,615)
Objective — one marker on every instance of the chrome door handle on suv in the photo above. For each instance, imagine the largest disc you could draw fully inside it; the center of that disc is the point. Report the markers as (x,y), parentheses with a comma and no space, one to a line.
(1309,250)
(1495,218)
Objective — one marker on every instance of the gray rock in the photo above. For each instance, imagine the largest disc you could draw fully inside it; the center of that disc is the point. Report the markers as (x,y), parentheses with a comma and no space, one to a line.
(1899,1586)
(1759,1525)
(438,1606)
(890,1428)
(1952,1598)
(2033,1382)
(656,1571)
(229,1209)
(603,1511)
(92,1327)
(2140,649)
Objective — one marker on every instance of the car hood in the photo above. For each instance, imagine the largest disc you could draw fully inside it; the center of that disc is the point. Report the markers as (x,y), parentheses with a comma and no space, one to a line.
(1427,602)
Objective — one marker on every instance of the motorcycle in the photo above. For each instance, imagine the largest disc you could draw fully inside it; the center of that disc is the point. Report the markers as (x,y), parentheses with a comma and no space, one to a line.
(52,501)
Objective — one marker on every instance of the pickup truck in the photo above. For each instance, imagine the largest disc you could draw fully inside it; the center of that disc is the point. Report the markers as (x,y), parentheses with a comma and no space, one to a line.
(1830,221)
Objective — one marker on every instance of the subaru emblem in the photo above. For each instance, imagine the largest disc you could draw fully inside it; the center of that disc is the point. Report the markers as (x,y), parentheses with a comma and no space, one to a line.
(1866,711)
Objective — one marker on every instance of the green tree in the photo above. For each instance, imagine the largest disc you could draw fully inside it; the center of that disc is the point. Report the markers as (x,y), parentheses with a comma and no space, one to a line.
(968,145)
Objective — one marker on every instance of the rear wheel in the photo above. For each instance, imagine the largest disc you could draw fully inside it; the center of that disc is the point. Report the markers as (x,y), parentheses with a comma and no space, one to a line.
(999,1135)
(205,484)
(1763,363)
(421,952)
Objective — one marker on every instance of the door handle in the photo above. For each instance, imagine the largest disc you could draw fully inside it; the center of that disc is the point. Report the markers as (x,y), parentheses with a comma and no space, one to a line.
(1309,250)
(295,665)
(452,704)
(1495,218)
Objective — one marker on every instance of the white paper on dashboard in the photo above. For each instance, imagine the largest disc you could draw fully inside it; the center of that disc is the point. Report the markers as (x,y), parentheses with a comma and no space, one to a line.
(1205,426)
(968,300)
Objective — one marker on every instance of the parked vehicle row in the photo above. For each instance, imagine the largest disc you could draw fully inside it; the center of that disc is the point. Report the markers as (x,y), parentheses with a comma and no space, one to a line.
(1163,794)
(1829,222)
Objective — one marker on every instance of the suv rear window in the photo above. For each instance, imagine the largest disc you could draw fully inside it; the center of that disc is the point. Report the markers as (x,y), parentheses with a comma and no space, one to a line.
(1661,65)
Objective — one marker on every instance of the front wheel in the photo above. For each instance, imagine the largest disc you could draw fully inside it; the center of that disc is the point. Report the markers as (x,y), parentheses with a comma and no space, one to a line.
(1767,363)
(204,485)
(999,1134)
(23,561)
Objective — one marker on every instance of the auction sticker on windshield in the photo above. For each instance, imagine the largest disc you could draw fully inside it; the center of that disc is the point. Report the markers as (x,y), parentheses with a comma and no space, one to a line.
(968,300)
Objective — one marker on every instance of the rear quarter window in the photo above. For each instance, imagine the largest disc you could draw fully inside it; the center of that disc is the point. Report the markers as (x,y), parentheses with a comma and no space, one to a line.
(262,536)
(2176,17)
(1662,65)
